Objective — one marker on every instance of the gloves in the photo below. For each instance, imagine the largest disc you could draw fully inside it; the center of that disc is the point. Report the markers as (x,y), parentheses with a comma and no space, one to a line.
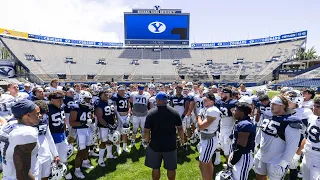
(277,170)
(89,122)
(236,155)
(295,161)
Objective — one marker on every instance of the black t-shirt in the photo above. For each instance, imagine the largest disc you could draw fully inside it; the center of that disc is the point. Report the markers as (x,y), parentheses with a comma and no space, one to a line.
(162,122)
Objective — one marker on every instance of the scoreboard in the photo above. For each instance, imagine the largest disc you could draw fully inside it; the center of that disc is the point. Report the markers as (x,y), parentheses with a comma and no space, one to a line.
(156,27)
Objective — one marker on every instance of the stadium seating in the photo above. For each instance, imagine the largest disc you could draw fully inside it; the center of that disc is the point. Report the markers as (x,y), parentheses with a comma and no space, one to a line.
(117,61)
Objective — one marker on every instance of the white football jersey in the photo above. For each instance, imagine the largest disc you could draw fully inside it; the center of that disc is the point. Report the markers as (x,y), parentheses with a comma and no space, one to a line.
(307,104)
(13,134)
(6,102)
(140,103)
(248,92)
(153,101)
(212,111)
(199,103)
(140,98)
(312,145)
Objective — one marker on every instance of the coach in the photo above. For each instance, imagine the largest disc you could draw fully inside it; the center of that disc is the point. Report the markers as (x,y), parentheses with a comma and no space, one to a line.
(162,122)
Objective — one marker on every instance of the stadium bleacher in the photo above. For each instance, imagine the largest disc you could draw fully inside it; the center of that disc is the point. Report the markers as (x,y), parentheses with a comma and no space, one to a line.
(49,59)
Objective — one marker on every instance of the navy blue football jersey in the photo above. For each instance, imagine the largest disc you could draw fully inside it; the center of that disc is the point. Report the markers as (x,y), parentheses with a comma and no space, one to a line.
(256,102)
(276,125)
(83,114)
(179,101)
(225,107)
(43,125)
(244,125)
(56,119)
(69,102)
(121,102)
(107,112)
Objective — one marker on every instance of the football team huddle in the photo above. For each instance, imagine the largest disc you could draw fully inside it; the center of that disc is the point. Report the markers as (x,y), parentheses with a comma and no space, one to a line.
(41,127)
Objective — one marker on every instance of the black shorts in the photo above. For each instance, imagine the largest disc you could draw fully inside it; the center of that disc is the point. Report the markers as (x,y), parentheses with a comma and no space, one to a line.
(154,159)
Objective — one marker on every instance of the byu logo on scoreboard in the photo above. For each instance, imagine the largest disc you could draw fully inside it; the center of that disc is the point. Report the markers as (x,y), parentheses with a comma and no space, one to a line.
(157,27)
(157,8)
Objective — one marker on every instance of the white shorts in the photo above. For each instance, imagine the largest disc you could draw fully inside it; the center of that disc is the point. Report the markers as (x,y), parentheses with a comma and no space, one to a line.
(310,167)
(225,141)
(186,123)
(263,168)
(104,132)
(62,149)
(84,138)
(240,170)
(138,122)
(207,148)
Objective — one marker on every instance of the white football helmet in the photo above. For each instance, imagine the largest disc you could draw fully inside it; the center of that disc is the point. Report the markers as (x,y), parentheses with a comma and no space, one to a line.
(82,98)
(295,96)
(125,128)
(114,137)
(260,92)
(58,171)
(70,151)
(224,175)
(245,99)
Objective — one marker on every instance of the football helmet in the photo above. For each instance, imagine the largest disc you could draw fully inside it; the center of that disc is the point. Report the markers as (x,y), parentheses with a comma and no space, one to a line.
(125,128)
(224,175)
(260,92)
(70,150)
(295,96)
(58,171)
(85,99)
(114,137)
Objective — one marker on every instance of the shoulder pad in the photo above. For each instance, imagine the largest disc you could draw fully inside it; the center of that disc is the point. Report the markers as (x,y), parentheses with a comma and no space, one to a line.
(74,106)
(296,125)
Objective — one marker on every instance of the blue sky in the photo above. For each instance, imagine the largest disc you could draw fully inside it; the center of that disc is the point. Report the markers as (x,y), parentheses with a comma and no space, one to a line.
(211,20)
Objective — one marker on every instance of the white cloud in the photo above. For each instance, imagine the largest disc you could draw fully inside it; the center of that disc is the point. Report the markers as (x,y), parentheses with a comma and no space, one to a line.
(75,19)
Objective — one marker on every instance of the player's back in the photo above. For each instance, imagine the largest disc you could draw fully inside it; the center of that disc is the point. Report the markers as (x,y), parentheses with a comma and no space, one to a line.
(12,135)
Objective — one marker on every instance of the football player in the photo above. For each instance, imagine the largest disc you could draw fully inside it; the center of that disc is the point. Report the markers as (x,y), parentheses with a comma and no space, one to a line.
(180,103)
(139,111)
(226,106)
(311,161)
(244,132)
(105,112)
(208,122)
(19,142)
(244,91)
(6,101)
(122,104)
(295,103)
(47,148)
(308,95)
(282,131)
(57,125)
(68,103)
(81,119)
(13,90)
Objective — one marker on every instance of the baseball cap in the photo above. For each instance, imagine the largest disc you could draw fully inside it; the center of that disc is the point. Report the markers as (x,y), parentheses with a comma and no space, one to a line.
(226,90)
(162,96)
(22,107)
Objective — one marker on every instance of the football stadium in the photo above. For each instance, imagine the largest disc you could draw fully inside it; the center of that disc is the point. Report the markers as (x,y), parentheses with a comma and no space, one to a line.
(99,103)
